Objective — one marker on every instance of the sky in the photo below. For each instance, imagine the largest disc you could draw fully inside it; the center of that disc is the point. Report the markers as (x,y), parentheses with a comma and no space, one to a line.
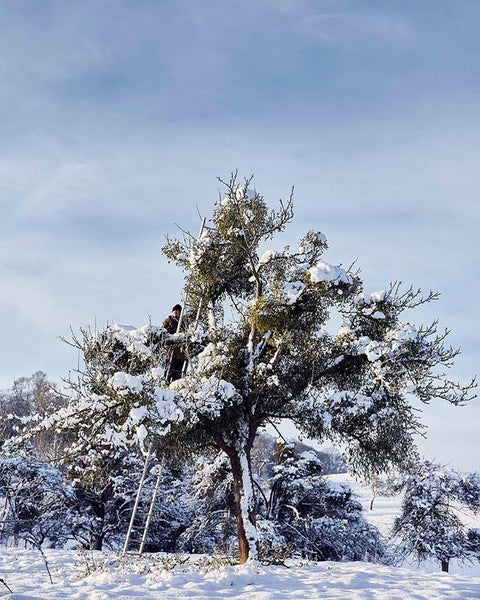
(117,116)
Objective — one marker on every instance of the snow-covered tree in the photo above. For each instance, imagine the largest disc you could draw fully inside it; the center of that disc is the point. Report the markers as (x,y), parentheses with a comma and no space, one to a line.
(264,349)
(114,404)
(430,524)
(318,518)
(25,403)
(116,398)
(274,357)
(473,543)
(37,504)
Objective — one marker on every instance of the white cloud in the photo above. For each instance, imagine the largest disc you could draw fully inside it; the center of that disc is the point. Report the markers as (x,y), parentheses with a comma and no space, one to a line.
(70,186)
(354,26)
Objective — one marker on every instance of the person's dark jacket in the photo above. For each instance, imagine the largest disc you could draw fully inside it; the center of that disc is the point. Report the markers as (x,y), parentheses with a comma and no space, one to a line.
(170,324)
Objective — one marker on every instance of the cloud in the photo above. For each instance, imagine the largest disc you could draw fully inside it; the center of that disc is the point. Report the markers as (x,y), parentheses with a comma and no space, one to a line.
(356,26)
(69,185)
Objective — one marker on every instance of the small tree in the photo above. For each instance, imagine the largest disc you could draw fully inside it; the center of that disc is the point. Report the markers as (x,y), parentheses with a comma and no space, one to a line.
(114,405)
(37,503)
(28,400)
(430,524)
(318,518)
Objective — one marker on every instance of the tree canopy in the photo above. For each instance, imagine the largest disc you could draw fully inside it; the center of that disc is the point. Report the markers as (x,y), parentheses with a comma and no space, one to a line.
(275,356)
(263,344)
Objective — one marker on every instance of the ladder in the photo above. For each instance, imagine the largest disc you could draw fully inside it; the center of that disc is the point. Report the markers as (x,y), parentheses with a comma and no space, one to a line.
(148,457)
(136,505)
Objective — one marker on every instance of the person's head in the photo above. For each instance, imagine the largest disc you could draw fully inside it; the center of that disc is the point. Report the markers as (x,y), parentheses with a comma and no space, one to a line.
(176,310)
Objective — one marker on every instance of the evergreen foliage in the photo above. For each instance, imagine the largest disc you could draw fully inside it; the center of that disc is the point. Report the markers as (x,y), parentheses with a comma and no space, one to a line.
(317,518)
(430,523)
(212,506)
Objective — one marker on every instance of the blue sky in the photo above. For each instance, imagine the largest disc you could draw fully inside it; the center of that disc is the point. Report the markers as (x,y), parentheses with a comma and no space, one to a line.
(117,117)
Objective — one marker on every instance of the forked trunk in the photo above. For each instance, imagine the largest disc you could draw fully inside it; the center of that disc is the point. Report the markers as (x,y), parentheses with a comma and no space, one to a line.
(244,505)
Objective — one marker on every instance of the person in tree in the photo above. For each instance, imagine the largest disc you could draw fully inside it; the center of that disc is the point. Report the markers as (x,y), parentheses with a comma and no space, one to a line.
(171,322)
(175,358)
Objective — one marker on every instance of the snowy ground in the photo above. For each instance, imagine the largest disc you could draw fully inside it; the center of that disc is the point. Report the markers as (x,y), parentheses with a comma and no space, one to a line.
(105,576)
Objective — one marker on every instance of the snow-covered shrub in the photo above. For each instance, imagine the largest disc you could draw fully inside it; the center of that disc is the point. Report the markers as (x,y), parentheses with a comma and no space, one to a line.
(105,492)
(430,524)
(106,504)
(317,518)
(38,506)
(273,546)
(212,506)
(473,543)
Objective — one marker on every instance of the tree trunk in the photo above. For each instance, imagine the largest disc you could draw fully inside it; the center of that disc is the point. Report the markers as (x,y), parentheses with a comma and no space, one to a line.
(98,534)
(445,566)
(244,505)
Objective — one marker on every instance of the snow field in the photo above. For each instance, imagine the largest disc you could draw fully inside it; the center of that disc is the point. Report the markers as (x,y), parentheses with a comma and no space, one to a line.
(105,576)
